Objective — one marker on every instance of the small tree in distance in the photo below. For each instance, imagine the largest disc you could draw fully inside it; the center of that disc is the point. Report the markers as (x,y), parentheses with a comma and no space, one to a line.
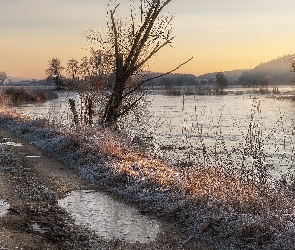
(54,71)
(292,69)
(221,82)
(73,69)
(3,77)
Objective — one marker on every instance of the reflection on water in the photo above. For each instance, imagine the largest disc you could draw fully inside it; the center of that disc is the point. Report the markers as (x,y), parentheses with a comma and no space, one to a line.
(41,229)
(11,143)
(109,218)
(4,206)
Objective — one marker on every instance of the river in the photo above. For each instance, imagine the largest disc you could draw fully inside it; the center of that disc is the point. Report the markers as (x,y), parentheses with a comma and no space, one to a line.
(182,128)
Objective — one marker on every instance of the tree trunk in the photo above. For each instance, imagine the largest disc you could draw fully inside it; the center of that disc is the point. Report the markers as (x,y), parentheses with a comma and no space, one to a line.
(113,106)
(112,110)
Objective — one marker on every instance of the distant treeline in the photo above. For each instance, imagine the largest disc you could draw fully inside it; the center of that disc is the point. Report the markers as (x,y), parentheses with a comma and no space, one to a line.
(273,73)
(173,80)
(192,80)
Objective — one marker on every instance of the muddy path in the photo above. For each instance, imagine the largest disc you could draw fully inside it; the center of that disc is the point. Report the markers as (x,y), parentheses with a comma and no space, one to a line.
(32,182)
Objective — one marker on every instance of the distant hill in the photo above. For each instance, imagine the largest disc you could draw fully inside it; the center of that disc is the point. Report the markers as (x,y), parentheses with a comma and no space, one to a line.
(274,72)
(192,80)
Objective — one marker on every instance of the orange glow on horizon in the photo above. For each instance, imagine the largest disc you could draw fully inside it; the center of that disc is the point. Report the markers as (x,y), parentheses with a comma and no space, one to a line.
(221,36)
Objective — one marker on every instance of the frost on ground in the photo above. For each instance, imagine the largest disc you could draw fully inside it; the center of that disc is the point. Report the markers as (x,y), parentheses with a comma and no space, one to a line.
(33,210)
(209,202)
(5,158)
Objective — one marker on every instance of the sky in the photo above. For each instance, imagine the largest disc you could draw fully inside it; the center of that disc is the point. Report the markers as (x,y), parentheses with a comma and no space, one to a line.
(221,35)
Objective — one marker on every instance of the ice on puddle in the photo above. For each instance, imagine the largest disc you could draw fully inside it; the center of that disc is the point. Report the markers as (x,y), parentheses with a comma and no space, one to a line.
(11,143)
(110,218)
(40,229)
(4,206)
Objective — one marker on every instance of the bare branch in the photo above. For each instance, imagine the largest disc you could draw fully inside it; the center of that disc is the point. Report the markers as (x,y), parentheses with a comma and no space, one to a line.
(155,51)
(155,77)
(114,28)
(130,106)
(144,33)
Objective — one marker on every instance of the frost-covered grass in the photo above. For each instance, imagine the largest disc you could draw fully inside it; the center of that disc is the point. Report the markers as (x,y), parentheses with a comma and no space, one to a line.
(211,203)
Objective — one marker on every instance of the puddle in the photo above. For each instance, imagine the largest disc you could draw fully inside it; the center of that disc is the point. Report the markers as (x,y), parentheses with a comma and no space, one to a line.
(40,229)
(11,143)
(8,142)
(109,218)
(4,206)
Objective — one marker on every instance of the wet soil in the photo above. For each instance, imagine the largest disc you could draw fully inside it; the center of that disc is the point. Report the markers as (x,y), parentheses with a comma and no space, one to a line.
(33,185)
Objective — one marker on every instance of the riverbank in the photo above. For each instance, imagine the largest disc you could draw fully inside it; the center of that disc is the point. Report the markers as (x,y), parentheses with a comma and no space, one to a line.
(32,182)
(208,203)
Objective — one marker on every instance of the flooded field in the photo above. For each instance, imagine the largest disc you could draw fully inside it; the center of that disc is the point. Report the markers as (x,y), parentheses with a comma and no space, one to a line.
(221,124)
(182,127)
(110,218)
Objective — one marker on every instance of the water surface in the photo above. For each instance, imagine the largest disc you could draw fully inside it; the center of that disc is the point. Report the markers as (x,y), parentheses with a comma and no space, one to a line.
(110,218)
(4,206)
(185,125)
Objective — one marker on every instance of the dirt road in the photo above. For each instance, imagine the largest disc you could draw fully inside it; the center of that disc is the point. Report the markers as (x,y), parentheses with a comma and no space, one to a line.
(32,182)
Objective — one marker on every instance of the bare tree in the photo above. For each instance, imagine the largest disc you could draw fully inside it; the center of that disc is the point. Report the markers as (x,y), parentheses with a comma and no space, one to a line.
(73,69)
(221,82)
(3,77)
(292,69)
(84,68)
(128,44)
(54,70)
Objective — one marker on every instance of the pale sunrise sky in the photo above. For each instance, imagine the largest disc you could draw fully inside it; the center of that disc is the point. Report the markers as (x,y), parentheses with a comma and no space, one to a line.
(221,34)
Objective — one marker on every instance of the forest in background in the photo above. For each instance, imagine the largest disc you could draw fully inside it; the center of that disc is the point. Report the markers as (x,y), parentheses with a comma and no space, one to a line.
(272,73)
(276,72)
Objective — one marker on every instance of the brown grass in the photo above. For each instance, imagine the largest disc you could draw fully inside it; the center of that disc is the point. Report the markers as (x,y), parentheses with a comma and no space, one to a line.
(21,95)
(213,183)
